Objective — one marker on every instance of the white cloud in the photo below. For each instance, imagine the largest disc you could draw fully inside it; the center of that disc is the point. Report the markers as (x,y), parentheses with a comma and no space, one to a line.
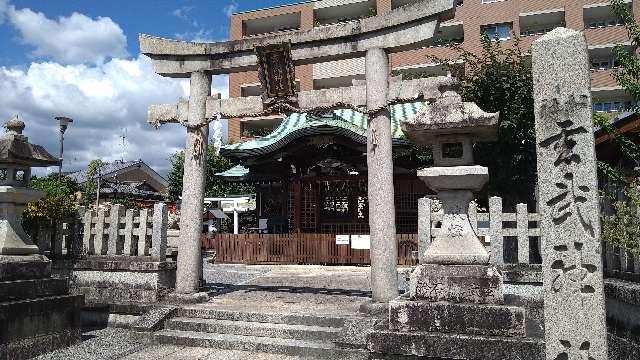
(231,8)
(202,35)
(184,13)
(102,100)
(103,96)
(3,10)
(70,40)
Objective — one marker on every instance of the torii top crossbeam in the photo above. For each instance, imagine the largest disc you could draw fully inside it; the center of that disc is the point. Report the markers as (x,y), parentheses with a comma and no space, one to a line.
(404,28)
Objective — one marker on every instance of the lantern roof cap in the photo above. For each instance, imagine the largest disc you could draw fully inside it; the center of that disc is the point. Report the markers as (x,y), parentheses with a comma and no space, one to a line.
(16,149)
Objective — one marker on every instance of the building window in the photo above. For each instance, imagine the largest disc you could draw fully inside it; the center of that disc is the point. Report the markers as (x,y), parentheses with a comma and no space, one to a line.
(497,32)
(603,64)
(536,32)
(255,128)
(612,106)
(605,23)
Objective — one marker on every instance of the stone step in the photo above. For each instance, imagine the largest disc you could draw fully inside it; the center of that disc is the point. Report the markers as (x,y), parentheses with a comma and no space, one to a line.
(31,289)
(262,317)
(257,329)
(35,326)
(302,348)
(453,346)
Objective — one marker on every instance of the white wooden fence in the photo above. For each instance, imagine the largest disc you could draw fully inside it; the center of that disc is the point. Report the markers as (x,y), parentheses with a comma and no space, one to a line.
(113,232)
(493,226)
(126,232)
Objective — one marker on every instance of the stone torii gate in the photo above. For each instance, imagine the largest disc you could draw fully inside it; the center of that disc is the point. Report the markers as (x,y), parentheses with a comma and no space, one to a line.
(275,56)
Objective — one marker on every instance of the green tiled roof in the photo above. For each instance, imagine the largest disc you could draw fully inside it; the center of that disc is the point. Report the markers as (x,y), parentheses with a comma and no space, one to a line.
(346,122)
(236,172)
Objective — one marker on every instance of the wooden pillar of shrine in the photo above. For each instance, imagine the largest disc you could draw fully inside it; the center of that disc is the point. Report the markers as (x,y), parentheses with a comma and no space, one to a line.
(297,206)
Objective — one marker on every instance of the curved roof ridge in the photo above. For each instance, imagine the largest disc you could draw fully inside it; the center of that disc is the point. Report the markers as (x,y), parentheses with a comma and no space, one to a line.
(346,122)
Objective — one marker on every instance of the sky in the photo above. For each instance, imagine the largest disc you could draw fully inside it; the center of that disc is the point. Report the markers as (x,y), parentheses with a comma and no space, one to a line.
(81,59)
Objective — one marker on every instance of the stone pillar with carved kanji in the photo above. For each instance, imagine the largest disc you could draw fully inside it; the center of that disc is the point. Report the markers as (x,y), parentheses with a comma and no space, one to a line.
(574,310)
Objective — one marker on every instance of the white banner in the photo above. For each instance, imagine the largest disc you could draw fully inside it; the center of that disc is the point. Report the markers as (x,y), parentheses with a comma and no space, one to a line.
(361,242)
(342,239)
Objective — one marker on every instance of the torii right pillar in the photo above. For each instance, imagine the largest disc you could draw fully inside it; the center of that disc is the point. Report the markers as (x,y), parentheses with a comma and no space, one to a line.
(382,218)
(574,307)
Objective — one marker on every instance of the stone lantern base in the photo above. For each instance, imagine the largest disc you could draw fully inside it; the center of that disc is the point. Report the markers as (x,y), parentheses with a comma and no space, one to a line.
(37,314)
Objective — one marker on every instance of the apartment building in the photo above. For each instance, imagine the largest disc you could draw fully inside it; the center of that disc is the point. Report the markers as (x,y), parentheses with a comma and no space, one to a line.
(500,19)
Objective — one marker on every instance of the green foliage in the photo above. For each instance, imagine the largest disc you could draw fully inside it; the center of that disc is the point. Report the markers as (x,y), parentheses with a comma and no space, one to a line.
(57,204)
(413,156)
(174,190)
(628,75)
(90,187)
(499,79)
(126,203)
(214,187)
(622,228)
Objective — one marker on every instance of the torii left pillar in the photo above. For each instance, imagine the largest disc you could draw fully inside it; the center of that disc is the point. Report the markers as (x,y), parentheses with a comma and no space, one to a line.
(195,159)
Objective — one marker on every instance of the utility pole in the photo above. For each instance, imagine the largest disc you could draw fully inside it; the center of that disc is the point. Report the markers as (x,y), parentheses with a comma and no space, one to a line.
(63,122)
(124,144)
(98,187)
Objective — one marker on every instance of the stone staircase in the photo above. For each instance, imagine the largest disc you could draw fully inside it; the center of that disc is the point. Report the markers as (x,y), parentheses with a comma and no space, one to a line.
(301,335)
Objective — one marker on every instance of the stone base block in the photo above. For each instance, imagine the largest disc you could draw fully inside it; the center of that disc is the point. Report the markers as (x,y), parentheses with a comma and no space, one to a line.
(475,319)
(113,280)
(522,273)
(32,327)
(29,289)
(374,309)
(417,345)
(13,268)
(197,298)
(477,284)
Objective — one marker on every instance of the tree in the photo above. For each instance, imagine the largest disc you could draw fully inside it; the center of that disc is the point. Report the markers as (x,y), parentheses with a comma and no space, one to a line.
(628,73)
(214,187)
(620,227)
(499,79)
(89,191)
(58,204)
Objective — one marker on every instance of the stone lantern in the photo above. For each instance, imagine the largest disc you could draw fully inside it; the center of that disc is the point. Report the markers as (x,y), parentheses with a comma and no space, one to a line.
(451,127)
(17,157)
(456,264)
(455,307)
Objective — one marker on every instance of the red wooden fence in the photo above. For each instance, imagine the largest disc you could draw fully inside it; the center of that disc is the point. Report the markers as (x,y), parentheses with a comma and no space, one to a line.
(312,249)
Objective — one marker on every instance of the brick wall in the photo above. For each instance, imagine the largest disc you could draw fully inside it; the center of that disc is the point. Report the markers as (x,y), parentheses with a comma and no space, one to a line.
(473,14)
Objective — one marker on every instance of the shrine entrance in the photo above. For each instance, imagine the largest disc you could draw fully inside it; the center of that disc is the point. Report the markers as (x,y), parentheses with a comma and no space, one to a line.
(311,174)
(275,57)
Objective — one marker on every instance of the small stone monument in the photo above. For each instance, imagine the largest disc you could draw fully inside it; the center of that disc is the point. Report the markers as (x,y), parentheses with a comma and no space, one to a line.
(455,305)
(37,314)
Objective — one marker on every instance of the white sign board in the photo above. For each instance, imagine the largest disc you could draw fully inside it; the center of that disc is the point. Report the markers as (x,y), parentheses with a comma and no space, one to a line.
(361,242)
(342,239)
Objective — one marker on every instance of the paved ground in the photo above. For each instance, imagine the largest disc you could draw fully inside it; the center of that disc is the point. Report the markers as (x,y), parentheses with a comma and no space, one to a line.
(290,289)
(274,289)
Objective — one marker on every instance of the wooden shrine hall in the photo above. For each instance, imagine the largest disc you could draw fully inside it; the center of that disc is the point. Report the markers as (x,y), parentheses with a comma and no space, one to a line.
(310,173)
